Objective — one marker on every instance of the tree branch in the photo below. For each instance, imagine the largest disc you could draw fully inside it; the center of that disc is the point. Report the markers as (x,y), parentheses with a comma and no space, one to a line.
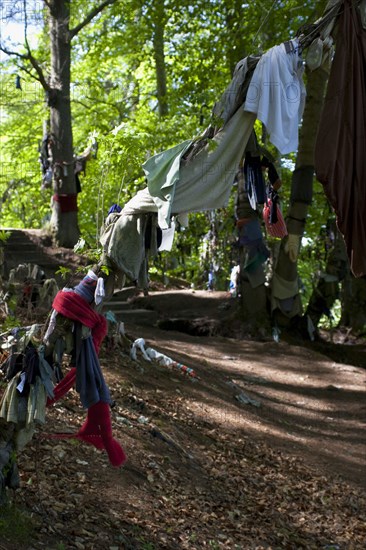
(27,71)
(17,54)
(90,16)
(29,57)
(39,72)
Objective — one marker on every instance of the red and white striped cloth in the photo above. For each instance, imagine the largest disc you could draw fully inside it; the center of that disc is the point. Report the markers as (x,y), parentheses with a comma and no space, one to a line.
(277,229)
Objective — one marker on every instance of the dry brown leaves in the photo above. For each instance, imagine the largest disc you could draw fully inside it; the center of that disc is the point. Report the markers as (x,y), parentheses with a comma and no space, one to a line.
(206,485)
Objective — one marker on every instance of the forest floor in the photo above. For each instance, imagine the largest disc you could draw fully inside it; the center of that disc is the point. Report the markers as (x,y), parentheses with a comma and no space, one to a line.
(262,446)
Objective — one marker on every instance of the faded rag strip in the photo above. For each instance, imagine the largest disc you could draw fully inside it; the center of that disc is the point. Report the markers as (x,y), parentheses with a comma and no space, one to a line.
(340,150)
(203,183)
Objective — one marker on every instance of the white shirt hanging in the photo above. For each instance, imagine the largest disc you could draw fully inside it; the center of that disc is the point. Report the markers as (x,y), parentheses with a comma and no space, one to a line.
(276,94)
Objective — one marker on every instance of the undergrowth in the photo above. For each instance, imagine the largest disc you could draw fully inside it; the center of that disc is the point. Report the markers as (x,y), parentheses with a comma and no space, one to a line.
(16,526)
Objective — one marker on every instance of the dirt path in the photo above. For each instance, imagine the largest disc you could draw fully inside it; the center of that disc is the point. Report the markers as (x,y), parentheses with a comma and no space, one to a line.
(264,448)
(307,404)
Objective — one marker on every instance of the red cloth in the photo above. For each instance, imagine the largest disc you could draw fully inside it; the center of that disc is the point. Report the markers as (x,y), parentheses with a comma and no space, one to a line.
(277,229)
(340,149)
(97,428)
(74,307)
(97,431)
(68,203)
(63,387)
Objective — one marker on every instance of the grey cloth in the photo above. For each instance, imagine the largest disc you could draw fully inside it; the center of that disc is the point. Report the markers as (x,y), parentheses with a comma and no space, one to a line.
(124,241)
(235,93)
(203,183)
(46,373)
(9,401)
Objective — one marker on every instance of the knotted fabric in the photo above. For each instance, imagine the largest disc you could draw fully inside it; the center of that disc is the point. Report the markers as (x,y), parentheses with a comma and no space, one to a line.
(75,307)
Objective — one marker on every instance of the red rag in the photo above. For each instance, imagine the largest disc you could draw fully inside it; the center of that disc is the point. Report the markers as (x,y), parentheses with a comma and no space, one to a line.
(74,307)
(63,386)
(98,428)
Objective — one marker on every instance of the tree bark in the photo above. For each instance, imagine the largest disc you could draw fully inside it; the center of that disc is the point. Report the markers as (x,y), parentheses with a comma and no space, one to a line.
(159,56)
(64,212)
(285,288)
(353,300)
(327,290)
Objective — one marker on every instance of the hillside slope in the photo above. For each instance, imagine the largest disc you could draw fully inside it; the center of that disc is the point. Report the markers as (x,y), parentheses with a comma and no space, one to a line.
(263,448)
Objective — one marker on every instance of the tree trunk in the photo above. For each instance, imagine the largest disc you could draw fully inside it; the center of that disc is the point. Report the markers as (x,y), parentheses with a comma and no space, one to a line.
(159,56)
(285,298)
(337,268)
(64,212)
(353,299)
(254,317)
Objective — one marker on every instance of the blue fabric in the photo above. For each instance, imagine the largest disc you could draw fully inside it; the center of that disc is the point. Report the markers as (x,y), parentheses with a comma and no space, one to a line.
(251,232)
(90,383)
(114,208)
(86,289)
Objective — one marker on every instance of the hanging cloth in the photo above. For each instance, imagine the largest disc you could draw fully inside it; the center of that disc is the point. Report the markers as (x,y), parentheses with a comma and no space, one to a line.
(276,94)
(254,186)
(340,148)
(75,307)
(273,218)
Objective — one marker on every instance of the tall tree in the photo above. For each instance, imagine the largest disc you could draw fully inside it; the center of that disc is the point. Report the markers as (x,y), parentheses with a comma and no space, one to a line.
(56,85)
(285,274)
(159,21)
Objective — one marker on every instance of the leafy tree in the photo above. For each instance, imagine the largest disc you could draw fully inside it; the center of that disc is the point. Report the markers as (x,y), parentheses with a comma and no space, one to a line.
(145,76)
(57,89)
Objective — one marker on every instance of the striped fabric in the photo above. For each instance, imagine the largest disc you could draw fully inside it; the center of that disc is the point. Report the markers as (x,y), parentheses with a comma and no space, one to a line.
(278,229)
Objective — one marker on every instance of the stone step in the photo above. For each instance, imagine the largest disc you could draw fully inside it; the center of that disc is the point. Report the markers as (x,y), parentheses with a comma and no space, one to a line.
(19,248)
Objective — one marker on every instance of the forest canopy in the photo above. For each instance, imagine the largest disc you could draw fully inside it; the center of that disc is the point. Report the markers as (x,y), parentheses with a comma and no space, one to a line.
(144,77)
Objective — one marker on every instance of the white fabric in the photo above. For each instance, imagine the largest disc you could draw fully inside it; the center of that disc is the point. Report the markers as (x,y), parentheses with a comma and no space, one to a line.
(292,247)
(161,358)
(51,325)
(277,93)
(139,343)
(167,237)
(99,291)
(234,279)
(92,275)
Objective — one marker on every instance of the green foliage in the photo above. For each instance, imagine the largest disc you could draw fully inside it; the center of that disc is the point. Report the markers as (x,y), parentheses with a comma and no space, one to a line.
(20,134)
(65,272)
(114,100)
(15,525)
(4,235)
(11,321)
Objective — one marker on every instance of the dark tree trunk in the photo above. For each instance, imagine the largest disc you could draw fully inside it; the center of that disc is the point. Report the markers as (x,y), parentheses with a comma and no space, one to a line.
(159,56)
(64,213)
(353,300)
(254,316)
(327,290)
(286,304)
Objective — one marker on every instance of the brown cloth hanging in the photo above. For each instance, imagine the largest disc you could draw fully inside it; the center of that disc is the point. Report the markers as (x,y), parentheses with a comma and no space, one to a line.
(340,149)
